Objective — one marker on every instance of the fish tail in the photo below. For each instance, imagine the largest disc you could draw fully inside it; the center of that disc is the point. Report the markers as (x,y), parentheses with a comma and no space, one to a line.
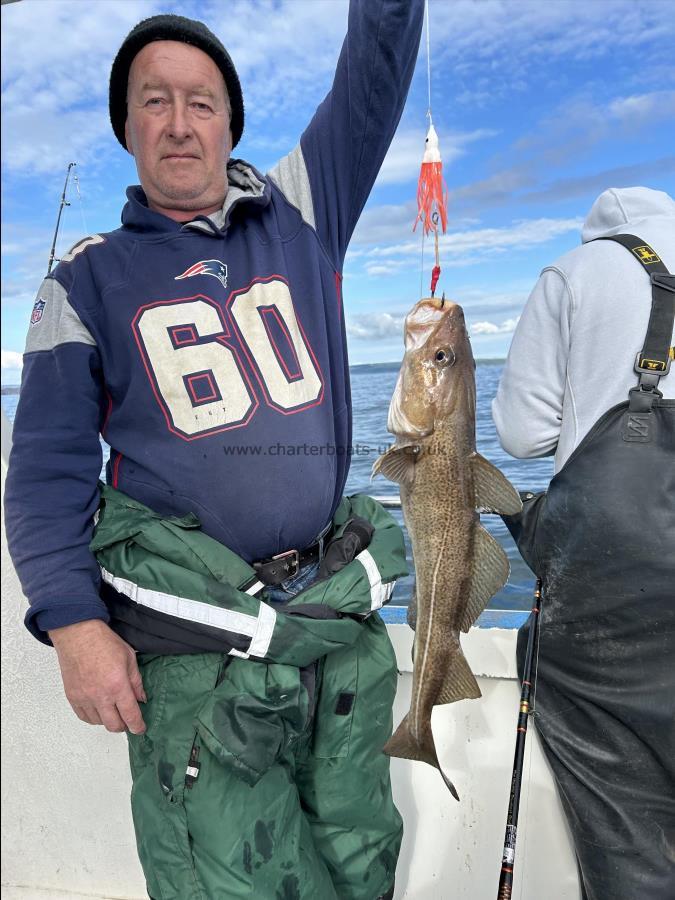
(404,746)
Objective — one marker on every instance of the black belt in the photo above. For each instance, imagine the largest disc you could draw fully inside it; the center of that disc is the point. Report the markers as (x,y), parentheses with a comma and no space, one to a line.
(285,565)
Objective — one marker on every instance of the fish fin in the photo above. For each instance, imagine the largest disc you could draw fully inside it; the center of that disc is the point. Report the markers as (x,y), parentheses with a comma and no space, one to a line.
(397,464)
(460,682)
(404,746)
(490,572)
(494,492)
(411,615)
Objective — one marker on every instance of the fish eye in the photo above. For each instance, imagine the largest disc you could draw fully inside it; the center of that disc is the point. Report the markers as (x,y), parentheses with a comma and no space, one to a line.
(445,356)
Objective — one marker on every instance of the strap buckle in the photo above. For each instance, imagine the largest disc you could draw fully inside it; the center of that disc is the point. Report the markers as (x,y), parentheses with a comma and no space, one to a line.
(642,397)
(656,368)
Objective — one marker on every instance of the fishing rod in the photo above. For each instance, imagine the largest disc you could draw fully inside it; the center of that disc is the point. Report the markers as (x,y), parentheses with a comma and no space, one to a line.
(64,202)
(529,676)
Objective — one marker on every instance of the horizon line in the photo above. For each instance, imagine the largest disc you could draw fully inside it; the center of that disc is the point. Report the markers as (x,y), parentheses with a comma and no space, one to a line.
(384,362)
(395,362)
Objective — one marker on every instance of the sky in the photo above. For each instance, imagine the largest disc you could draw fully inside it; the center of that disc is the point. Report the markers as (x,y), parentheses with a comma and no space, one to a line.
(539,105)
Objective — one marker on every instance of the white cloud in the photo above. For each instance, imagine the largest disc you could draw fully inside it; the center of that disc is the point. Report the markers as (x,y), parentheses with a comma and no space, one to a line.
(382,223)
(581,122)
(506,327)
(385,270)
(10,359)
(522,235)
(648,174)
(46,141)
(371,326)
(642,107)
(489,302)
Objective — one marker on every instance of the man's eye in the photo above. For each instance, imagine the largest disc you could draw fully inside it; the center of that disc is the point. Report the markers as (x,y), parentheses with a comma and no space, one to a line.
(154,101)
(202,107)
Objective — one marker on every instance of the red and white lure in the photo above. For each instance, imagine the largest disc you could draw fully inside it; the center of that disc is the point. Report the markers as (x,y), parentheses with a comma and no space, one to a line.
(432,191)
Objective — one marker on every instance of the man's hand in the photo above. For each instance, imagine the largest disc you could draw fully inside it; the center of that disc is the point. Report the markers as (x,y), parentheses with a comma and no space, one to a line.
(100,675)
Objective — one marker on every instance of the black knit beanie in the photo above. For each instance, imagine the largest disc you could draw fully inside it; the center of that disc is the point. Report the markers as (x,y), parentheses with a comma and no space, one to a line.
(171,28)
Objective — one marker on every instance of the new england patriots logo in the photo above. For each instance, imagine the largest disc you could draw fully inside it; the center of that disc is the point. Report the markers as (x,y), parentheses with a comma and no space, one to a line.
(207,267)
(38,309)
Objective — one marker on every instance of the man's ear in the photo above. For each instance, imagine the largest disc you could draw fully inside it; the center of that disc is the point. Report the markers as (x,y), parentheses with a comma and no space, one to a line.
(127,138)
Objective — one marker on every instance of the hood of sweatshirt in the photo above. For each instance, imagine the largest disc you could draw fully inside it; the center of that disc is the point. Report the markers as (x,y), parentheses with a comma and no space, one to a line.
(245,185)
(620,210)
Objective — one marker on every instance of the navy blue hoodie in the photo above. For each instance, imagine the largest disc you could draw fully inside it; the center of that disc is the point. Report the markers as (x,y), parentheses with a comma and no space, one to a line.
(211,356)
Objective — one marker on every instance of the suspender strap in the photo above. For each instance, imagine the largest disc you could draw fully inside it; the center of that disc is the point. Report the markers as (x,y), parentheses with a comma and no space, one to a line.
(653,361)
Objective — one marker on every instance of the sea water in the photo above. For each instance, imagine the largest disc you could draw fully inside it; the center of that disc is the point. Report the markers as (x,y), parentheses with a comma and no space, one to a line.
(372,387)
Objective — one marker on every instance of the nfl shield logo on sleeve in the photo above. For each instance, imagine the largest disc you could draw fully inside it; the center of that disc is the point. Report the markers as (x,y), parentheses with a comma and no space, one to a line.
(36,315)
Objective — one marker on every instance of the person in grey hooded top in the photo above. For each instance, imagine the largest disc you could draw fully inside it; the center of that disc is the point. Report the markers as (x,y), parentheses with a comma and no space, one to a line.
(601,537)
(592,304)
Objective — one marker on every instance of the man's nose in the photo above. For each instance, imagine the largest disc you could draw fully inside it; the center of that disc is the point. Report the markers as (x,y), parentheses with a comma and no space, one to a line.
(179,122)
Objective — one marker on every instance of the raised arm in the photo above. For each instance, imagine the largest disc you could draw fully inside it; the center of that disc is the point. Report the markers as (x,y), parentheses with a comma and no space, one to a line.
(330,174)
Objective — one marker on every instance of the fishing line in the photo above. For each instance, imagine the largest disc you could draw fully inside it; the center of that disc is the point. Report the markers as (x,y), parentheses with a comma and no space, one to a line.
(79,197)
(422,266)
(426,10)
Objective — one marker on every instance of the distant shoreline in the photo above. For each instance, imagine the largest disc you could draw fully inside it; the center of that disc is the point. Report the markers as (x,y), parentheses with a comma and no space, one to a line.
(488,361)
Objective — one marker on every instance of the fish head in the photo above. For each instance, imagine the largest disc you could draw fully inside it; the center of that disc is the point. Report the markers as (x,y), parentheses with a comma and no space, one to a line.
(437,373)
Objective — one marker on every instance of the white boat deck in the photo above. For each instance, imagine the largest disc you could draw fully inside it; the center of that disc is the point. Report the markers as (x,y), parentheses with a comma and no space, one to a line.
(66,825)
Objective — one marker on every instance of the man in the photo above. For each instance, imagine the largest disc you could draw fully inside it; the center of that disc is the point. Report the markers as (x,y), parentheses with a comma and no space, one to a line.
(210,324)
(589,378)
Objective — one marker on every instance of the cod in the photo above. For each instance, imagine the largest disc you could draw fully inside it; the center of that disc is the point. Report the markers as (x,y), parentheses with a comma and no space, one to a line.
(443,482)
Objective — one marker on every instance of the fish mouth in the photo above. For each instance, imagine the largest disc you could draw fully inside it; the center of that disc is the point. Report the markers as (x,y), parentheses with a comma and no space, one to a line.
(405,432)
(409,438)
(426,317)
(448,306)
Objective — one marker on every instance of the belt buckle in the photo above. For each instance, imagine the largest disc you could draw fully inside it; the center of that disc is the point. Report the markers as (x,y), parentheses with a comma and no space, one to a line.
(291,559)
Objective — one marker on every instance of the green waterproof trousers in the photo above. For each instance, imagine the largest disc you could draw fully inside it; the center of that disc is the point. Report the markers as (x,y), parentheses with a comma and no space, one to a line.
(262,779)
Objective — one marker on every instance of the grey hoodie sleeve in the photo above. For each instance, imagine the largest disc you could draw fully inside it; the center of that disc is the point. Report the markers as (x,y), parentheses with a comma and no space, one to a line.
(527,410)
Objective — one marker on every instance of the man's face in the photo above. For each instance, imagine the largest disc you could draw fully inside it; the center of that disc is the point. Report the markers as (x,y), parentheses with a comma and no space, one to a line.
(178,128)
